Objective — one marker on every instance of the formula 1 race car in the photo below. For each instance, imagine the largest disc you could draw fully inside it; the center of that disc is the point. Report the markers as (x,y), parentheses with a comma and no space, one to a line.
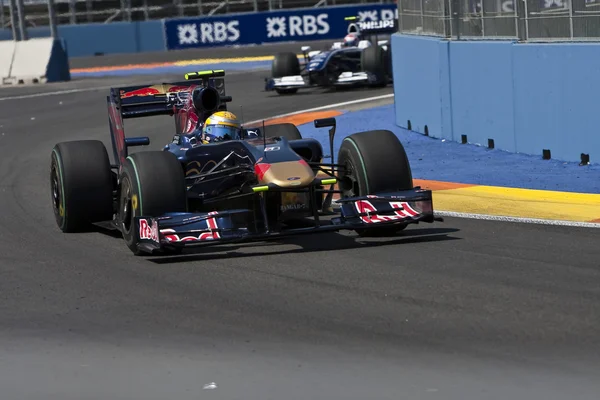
(361,59)
(268,183)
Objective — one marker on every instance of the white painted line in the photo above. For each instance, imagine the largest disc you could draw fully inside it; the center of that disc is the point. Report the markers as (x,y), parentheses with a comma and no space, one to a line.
(499,218)
(345,103)
(43,94)
(94,88)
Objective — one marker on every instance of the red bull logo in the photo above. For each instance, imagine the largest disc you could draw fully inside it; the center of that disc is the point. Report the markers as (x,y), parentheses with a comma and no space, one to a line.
(149,91)
(174,89)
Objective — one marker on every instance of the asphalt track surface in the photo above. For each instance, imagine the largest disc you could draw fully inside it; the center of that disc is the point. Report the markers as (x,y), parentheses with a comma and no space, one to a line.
(463,309)
(193,54)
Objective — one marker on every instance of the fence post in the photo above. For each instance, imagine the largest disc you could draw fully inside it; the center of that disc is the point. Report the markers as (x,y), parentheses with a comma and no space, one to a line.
(521,14)
(456,13)
(571,33)
(72,12)
(146,11)
(52,18)
(447,18)
(14,20)
(22,26)
(1,13)
(128,8)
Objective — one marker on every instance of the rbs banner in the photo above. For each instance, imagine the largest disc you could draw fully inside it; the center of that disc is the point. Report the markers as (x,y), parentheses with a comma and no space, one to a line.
(268,27)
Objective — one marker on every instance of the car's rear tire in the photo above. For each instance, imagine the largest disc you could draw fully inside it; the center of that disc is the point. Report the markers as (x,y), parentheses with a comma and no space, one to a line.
(286,130)
(376,162)
(375,60)
(152,183)
(81,185)
(285,64)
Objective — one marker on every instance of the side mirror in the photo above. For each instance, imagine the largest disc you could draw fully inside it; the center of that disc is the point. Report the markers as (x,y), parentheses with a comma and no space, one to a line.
(331,123)
(325,122)
(305,48)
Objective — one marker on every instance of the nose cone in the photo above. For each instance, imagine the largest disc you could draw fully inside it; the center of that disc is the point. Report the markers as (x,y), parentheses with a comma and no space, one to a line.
(289,174)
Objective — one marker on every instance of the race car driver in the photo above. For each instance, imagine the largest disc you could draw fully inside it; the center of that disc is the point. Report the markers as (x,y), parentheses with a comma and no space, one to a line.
(222,125)
(351,40)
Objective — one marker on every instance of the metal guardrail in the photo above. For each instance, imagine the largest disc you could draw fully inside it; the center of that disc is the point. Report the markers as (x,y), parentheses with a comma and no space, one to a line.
(106,11)
(525,20)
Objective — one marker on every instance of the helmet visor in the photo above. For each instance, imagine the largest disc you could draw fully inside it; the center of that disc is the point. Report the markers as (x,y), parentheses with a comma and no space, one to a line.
(223,132)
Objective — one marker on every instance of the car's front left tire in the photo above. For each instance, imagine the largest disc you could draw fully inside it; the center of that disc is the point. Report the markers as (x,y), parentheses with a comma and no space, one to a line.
(152,183)
(376,61)
(285,64)
(374,162)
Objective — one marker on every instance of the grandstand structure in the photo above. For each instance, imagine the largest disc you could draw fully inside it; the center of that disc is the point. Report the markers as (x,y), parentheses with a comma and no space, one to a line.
(106,11)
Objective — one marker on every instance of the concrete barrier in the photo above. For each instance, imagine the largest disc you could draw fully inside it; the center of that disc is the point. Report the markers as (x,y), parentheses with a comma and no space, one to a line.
(38,61)
(7,50)
(518,97)
(422,103)
(84,40)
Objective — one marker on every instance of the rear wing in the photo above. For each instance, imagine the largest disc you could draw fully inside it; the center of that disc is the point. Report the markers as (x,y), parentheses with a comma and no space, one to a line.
(366,28)
(164,98)
(158,99)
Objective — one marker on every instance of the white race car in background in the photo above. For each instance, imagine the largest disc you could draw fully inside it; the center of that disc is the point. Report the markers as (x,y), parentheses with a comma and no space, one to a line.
(357,60)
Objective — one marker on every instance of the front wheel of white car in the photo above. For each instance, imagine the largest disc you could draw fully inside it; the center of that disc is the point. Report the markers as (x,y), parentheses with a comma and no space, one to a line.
(285,64)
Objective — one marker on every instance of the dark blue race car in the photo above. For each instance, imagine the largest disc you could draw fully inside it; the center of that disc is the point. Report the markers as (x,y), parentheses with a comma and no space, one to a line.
(267,183)
(360,59)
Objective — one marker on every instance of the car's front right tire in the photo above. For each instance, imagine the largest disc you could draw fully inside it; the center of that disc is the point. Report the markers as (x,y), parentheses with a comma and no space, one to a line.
(81,185)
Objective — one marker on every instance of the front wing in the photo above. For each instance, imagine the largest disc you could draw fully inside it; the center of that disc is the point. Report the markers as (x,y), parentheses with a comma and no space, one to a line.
(195,229)
(300,82)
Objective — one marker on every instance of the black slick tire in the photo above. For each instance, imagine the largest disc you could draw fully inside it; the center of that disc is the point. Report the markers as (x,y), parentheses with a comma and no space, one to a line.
(375,60)
(376,162)
(285,64)
(152,183)
(81,185)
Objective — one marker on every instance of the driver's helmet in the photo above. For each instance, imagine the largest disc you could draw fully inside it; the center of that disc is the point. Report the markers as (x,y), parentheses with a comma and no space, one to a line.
(222,125)
(351,40)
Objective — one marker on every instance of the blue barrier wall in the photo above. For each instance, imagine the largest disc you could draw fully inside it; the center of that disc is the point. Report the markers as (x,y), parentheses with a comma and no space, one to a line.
(117,37)
(526,97)
(270,27)
(481,79)
(421,101)
(232,29)
(556,98)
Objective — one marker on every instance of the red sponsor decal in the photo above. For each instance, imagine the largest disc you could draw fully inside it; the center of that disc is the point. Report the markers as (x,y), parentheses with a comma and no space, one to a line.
(403,211)
(192,122)
(171,235)
(173,89)
(141,92)
(118,132)
(261,170)
(147,231)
